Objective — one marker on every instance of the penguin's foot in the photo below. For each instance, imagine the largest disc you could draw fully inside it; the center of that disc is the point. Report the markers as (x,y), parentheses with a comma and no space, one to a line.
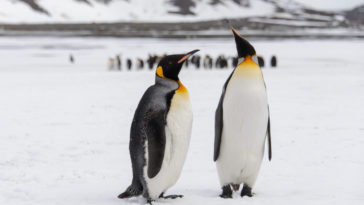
(226,192)
(235,187)
(246,191)
(149,201)
(130,192)
(173,196)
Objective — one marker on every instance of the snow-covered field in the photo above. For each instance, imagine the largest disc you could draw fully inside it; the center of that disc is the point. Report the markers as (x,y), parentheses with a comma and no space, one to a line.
(64,129)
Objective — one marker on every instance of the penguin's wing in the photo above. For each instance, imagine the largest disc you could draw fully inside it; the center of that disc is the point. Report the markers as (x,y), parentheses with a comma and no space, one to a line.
(156,136)
(269,138)
(219,120)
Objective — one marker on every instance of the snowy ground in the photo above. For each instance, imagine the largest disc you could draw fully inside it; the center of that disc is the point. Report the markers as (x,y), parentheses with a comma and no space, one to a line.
(64,129)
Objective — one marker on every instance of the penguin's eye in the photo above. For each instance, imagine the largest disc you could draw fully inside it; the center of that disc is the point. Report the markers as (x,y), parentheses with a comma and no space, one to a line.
(255,59)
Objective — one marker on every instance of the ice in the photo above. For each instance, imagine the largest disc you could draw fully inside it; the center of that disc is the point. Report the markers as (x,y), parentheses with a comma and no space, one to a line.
(64,128)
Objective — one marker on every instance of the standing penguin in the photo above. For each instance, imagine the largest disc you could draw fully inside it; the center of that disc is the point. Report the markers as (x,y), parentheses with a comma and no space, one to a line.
(160,132)
(273,61)
(241,123)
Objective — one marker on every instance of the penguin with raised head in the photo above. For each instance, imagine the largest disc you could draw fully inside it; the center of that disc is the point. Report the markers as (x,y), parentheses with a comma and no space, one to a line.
(242,123)
(160,132)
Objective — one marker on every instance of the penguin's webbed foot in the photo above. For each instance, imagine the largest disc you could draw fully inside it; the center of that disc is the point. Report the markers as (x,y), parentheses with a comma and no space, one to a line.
(149,201)
(173,196)
(130,192)
(226,192)
(246,191)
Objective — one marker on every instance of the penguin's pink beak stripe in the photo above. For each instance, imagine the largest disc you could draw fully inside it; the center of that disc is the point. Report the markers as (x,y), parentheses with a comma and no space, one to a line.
(184,58)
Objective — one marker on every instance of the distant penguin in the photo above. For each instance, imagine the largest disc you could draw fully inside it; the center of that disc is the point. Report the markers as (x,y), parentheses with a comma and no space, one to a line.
(234,62)
(129,63)
(273,61)
(242,124)
(72,59)
(224,62)
(160,133)
(221,62)
(218,63)
(111,64)
(139,63)
(207,62)
(261,61)
(187,62)
(196,60)
(151,61)
(118,62)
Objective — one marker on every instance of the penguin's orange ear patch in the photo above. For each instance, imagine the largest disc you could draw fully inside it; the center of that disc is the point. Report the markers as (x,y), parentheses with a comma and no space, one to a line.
(160,71)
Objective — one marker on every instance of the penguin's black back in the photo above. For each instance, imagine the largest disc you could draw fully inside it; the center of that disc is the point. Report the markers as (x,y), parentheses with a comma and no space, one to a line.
(149,124)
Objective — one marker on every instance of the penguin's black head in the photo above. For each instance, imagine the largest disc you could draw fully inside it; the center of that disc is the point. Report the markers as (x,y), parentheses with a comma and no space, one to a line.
(243,46)
(170,66)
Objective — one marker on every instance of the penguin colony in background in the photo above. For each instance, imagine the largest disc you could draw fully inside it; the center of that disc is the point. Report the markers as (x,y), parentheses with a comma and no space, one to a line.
(208,62)
(161,128)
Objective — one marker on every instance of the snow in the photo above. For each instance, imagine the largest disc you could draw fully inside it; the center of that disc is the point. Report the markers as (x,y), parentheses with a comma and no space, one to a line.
(71,11)
(330,5)
(65,128)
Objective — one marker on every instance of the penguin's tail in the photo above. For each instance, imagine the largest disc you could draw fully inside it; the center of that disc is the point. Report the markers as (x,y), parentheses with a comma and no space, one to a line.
(132,190)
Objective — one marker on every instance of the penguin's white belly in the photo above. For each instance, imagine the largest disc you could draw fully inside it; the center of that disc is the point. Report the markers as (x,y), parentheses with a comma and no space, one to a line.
(178,133)
(245,117)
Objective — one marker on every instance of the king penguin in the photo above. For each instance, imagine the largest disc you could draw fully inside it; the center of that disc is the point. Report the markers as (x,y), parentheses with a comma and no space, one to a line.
(160,132)
(242,123)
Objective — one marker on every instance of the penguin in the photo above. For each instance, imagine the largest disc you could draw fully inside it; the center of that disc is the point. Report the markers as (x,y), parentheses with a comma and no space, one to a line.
(242,124)
(139,64)
(207,62)
(160,132)
(151,61)
(261,61)
(273,61)
(111,63)
(72,59)
(129,63)
(234,62)
(118,62)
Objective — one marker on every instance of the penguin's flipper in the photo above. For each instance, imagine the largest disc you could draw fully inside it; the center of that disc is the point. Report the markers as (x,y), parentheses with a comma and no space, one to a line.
(219,120)
(155,131)
(269,138)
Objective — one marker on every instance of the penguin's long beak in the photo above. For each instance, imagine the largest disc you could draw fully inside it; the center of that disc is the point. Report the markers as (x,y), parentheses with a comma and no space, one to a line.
(235,33)
(188,55)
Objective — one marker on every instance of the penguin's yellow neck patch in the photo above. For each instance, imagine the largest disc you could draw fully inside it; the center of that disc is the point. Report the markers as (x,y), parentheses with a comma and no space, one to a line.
(248,62)
(248,68)
(182,90)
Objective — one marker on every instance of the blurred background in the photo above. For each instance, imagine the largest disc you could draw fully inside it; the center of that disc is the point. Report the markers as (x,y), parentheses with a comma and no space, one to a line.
(73,71)
(182,18)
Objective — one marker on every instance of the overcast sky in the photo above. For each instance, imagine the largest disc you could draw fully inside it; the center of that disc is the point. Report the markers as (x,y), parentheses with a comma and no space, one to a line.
(332,4)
